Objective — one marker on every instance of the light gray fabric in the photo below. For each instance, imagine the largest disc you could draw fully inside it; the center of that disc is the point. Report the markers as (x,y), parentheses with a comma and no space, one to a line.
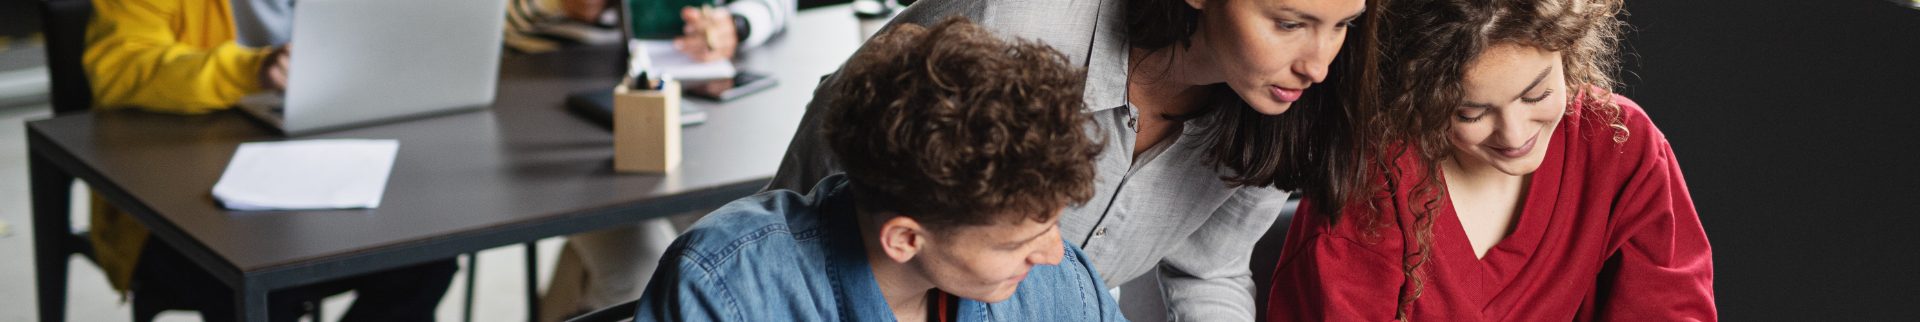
(1172,212)
(1142,300)
(262,23)
(620,260)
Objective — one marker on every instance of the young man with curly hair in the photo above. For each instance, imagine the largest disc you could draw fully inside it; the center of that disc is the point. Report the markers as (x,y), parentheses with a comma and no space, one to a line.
(960,152)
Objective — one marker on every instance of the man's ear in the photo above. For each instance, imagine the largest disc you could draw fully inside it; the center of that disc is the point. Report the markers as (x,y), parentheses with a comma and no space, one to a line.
(901,238)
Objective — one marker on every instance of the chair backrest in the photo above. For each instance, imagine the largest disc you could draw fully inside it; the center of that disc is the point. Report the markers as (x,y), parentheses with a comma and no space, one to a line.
(66,35)
(1266,255)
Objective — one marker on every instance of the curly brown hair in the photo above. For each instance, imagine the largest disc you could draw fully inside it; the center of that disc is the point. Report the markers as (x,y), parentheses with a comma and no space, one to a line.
(1315,149)
(1428,46)
(953,126)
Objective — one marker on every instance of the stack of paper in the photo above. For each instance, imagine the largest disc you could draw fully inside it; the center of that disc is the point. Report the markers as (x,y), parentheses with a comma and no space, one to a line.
(661,58)
(311,174)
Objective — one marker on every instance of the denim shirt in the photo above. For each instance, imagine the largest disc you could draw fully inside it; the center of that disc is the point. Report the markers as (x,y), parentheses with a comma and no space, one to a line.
(783,256)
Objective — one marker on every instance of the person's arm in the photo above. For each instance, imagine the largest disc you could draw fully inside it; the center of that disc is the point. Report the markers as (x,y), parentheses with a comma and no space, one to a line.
(1664,270)
(134,59)
(760,20)
(1206,276)
(720,33)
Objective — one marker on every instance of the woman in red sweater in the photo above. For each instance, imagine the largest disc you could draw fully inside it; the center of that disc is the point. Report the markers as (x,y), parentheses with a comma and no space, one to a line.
(1516,187)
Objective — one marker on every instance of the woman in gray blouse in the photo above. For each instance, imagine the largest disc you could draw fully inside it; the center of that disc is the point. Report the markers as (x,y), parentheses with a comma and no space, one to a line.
(1207,117)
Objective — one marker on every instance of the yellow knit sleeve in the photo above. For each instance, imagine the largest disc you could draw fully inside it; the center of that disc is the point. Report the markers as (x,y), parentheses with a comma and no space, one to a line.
(135,59)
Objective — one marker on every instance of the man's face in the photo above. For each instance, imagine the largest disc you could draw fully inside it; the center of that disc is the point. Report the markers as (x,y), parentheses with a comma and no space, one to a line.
(987,262)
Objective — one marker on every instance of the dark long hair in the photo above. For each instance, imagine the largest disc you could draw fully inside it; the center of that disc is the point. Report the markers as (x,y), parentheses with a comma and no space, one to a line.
(1428,46)
(1314,149)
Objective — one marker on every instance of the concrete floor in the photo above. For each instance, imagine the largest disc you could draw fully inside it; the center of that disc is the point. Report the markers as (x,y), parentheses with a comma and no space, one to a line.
(502,280)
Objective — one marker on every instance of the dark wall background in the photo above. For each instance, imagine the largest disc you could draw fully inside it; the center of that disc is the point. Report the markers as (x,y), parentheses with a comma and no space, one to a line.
(1797,124)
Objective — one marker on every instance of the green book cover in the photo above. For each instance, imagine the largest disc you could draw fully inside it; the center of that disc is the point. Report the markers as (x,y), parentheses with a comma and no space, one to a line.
(659,19)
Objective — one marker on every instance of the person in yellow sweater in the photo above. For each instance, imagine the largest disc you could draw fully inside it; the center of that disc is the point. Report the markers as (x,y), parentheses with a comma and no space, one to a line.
(179,56)
(175,56)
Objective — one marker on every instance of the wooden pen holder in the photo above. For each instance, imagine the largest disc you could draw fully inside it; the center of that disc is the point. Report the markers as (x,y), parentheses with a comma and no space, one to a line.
(646,128)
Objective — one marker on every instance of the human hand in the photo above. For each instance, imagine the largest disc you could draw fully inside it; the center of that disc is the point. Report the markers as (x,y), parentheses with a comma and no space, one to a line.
(273,69)
(709,34)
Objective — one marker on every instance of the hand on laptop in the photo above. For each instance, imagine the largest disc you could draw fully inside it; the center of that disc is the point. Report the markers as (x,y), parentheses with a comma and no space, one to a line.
(709,34)
(273,69)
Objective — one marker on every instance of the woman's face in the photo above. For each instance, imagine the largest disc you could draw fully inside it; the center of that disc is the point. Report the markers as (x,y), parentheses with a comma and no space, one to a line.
(1272,50)
(1515,96)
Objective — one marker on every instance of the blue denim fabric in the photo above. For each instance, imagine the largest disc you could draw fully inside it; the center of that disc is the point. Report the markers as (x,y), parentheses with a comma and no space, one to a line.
(782,256)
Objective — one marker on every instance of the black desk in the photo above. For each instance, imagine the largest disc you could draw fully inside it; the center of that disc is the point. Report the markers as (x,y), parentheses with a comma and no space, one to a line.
(520,171)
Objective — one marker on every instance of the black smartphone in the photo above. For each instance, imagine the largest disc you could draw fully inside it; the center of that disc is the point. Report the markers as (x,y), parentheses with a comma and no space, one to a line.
(726,89)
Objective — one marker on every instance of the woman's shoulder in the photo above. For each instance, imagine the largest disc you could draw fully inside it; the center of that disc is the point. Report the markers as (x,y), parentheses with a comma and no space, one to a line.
(1610,152)
(1635,118)
(1623,126)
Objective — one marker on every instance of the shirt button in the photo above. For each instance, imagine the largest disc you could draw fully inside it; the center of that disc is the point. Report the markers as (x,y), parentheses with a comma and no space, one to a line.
(1102,232)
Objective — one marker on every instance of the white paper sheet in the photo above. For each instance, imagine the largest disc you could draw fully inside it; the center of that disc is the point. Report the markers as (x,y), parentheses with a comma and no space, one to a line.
(663,59)
(308,174)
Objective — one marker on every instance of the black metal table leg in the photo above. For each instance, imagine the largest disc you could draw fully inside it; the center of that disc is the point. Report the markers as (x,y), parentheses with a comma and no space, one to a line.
(533,281)
(251,301)
(473,269)
(52,230)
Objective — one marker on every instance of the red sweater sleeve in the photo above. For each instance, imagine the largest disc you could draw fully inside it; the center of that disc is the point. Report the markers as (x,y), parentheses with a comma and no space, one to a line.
(1663,267)
(1324,277)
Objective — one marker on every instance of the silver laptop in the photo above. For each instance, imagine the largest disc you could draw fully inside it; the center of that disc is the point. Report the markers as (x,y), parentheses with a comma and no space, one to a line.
(358,62)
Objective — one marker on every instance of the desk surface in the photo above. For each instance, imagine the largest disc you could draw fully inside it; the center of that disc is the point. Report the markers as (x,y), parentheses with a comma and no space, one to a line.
(522,170)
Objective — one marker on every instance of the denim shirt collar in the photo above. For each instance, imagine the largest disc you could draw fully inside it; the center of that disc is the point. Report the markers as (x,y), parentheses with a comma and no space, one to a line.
(852,278)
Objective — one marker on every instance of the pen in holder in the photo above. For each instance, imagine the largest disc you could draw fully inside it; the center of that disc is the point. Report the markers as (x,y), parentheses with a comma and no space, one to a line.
(646,127)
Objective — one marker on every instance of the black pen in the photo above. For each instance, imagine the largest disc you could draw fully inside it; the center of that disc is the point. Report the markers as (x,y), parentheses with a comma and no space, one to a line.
(639,81)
